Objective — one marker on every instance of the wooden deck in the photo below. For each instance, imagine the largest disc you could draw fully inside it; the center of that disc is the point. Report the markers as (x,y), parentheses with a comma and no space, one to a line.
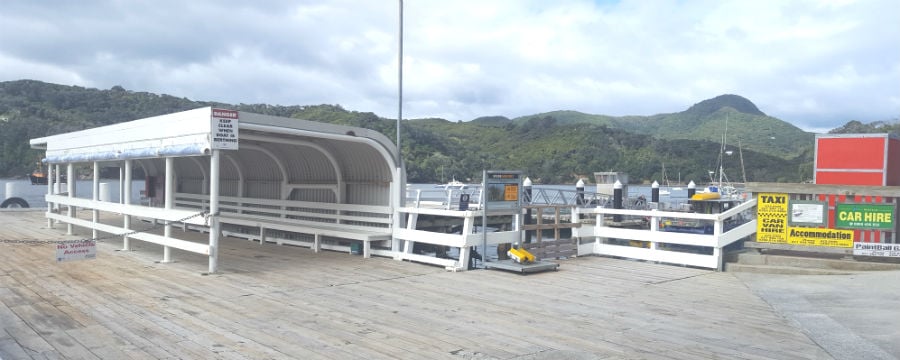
(286,302)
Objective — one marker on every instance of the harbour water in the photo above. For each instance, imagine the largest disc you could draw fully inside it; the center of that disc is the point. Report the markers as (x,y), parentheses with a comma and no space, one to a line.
(34,194)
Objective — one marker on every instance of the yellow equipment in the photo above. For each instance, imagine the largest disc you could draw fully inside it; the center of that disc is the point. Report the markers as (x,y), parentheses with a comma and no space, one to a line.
(520,255)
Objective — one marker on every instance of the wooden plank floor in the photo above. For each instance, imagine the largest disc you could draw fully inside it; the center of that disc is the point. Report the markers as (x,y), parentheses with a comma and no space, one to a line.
(283,302)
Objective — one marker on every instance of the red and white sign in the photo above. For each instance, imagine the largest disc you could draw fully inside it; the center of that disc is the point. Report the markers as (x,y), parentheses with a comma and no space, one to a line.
(224,129)
(81,250)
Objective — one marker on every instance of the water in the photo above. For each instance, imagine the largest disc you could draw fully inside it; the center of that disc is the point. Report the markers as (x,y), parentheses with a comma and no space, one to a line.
(34,194)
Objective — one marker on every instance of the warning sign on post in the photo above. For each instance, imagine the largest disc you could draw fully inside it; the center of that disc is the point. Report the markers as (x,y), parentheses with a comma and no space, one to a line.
(224,129)
(79,250)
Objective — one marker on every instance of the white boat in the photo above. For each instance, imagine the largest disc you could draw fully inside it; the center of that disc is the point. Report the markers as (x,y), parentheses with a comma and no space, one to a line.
(453,185)
(664,190)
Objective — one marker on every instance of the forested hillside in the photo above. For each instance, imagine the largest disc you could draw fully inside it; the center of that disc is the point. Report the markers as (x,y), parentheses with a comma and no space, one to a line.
(555,147)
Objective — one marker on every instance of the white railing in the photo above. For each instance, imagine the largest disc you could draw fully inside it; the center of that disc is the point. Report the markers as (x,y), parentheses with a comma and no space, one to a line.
(299,212)
(172,215)
(468,236)
(616,238)
(439,198)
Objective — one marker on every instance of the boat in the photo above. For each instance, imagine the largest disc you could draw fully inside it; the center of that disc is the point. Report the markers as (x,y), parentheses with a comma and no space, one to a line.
(39,177)
(711,194)
(453,185)
(664,190)
(720,188)
(606,182)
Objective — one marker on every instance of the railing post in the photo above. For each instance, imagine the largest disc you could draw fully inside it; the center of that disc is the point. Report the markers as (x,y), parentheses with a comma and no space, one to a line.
(70,185)
(95,196)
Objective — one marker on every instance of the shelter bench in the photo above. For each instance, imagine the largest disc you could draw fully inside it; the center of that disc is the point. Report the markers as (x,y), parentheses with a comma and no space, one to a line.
(364,223)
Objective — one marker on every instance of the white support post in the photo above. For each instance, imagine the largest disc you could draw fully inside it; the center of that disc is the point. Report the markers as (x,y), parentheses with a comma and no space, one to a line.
(654,226)
(598,223)
(70,182)
(411,223)
(465,253)
(126,245)
(95,214)
(398,195)
(214,210)
(49,192)
(169,201)
(717,254)
(317,243)
(121,185)
(57,190)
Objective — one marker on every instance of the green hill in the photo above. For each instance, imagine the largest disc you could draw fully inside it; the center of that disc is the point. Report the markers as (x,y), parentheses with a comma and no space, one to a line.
(747,126)
(556,147)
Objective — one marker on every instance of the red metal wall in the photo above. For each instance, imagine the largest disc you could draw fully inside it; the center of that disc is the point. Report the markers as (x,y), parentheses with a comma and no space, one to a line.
(840,159)
(893,178)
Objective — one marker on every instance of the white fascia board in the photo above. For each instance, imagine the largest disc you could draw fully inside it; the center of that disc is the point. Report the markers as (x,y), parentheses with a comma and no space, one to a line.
(183,134)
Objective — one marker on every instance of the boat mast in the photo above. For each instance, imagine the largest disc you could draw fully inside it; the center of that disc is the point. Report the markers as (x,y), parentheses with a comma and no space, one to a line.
(722,154)
(743,171)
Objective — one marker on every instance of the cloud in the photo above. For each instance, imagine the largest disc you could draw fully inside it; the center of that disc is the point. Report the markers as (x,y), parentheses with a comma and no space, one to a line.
(817,64)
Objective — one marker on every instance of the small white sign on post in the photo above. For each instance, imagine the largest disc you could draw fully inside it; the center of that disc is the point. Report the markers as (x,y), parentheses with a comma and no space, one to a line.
(224,129)
(81,250)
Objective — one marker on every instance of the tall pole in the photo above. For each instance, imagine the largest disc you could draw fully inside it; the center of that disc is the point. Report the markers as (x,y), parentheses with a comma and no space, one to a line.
(400,85)
(214,211)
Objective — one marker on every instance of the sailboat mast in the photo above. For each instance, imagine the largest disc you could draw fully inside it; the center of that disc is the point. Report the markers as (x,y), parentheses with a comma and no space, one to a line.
(722,153)
(743,171)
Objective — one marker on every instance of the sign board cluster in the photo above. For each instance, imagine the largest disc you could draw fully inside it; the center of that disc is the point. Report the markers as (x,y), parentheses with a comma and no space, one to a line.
(781,220)
(501,189)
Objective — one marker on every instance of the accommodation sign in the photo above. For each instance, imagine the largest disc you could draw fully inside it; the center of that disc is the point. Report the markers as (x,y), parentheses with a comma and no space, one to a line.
(864,216)
(772,226)
(224,129)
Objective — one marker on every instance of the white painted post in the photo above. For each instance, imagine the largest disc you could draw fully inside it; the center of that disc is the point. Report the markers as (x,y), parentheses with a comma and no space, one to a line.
(411,223)
(214,210)
(70,171)
(49,192)
(465,252)
(126,245)
(121,184)
(95,195)
(168,204)
(56,190)
(397,200)
(598,224)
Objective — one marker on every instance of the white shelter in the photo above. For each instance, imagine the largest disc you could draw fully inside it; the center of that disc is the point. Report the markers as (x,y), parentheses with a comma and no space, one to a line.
(261,177)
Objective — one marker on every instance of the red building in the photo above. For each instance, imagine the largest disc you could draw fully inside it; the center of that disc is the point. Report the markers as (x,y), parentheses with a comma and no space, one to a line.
(857,159)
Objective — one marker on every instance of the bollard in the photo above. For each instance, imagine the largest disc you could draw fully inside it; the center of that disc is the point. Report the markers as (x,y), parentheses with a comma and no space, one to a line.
(654,192)
(10,191)
(527,186)
(105,193)
(579,192)
(692,189)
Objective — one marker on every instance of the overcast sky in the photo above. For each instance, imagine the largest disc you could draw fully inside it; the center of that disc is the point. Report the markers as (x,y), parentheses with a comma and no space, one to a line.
(816,64)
